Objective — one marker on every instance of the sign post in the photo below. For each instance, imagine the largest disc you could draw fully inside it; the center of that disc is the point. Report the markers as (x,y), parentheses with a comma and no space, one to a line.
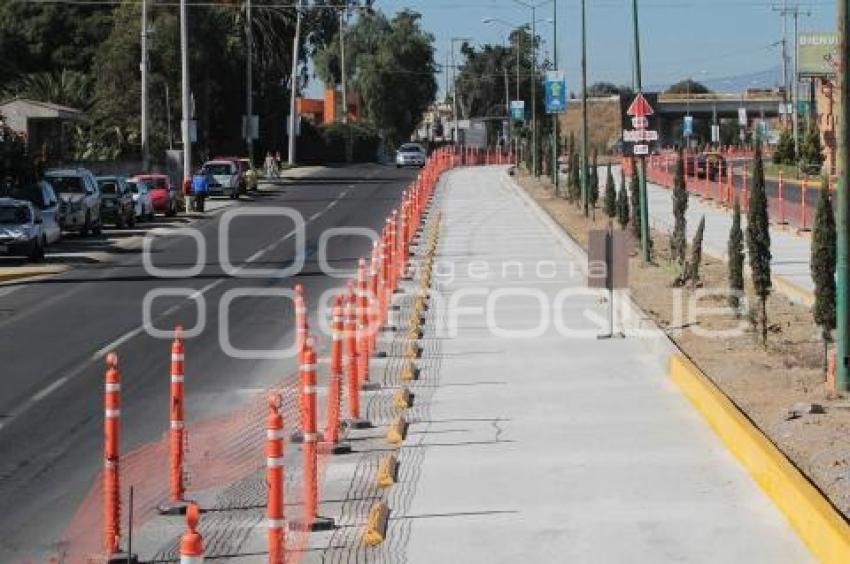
(608,268)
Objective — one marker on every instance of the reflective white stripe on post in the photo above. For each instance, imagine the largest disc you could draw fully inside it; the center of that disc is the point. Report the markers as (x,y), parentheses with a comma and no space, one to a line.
(274,434)
(176,378)
(112,387)
(275,523)
(175,357)
(186,559)
(310,437)
(274,461)
(337,336)
(176,424)
(309,389)
(301,309)
(308,367)
(112,413)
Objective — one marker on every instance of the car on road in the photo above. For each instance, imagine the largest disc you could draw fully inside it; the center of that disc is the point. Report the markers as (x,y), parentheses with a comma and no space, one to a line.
(116,201)
(143,206)
(226,178)
(249,175)
(162,194)
(41,195)
(410,154)
(708,165)
(79,199)
(21,229)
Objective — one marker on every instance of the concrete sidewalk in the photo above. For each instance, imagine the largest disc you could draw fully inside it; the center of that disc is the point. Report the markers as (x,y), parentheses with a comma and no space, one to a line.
(791,252)
(557,448)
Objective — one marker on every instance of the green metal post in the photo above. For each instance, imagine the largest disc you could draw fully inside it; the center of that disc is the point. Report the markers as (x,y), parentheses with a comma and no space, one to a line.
(644,204)
(843,203)
(584,191)
(555,115)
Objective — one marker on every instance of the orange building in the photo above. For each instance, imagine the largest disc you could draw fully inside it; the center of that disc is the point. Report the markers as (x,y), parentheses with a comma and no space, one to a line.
(328,109)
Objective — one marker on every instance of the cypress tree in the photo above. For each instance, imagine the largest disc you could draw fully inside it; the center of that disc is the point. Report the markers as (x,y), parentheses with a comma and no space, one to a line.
(623,205)
(678,241)
(758,239)
(811,150)
(823,269)
(635,201)
(610,202)
(593,195)
(696,254)
(735,250)
(575,179)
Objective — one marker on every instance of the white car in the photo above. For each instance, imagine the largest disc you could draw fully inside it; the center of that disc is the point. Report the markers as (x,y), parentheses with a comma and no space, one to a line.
(141,199)
(21,230)
(410,154)
(225,178)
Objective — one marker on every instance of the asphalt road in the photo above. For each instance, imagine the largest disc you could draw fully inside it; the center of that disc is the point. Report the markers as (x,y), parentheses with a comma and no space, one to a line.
(55,332)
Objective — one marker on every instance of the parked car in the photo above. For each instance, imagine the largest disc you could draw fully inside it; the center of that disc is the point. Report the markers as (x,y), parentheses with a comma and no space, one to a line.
(410,154)
(141,199)
(162,194)
(708,165)
(226,177)
(79,199)
(21,229)
(41,195)
(249,175)
(116,201)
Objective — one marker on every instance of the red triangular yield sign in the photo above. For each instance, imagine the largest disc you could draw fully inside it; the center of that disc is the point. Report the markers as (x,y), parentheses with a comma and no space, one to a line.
(640,107)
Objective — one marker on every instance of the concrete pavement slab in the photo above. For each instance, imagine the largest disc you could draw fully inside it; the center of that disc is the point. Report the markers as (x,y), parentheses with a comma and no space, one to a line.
(557,447)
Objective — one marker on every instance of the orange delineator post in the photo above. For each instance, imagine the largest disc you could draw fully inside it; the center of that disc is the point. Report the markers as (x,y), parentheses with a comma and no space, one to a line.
(177,418)
(111,455)
(362,323)
(308,391)
(301,326)
(274,482)
(335,383)
(351,350)
(730,195)
(374,301)
(191,543)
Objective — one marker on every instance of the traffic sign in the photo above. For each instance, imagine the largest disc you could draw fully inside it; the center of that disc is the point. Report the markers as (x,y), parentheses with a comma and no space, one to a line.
(640,122)
(742,116)
(688,125)
(641,149)
(640,107)
(556,92)
(518,110)
(639,135)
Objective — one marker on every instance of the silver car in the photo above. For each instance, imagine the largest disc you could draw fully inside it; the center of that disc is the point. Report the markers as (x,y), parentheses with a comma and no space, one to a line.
(225,178)
(79,199)
(410,154)
(21,230)
(141,200)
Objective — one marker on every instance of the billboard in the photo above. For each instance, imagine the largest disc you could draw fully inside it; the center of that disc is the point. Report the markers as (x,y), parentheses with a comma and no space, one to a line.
(817,54)
(518,110)
(556,92)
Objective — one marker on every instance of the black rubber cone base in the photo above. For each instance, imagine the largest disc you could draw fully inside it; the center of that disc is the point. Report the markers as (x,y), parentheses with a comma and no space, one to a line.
(173,508)
(317,525)
(334,448)
(357,424)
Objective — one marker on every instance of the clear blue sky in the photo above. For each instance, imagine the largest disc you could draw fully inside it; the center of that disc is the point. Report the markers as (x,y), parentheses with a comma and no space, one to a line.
(703,39)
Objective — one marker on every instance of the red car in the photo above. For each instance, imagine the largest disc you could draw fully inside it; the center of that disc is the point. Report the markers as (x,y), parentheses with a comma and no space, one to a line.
(163,195)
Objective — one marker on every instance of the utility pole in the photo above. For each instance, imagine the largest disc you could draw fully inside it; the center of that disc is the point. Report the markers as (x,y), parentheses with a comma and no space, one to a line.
(145,67)
(644,204)
(293,79)
(534,91)
(843,201)
(249,82)
(455,136)
(555,114)
(186,96)
(342,66)
(791,81)
(585,196)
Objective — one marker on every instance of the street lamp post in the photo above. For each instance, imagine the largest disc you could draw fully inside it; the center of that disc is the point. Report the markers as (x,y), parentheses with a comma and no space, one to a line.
(842,379)
(644,204)
(293,86)
(585,196)
(186,97)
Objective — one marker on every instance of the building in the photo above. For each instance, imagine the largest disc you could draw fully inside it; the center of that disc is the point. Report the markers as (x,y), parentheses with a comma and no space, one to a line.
(319,111)
(44,124)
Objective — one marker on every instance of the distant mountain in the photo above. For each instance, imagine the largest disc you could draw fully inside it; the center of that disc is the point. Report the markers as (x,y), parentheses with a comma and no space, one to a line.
(762,79)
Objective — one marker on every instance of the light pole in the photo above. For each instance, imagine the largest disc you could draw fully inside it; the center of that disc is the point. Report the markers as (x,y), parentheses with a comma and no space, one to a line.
(186,97)
(145,68)
(585,195)
(843,202)
(456,128)
(644,204)
(293,86)
(249,82)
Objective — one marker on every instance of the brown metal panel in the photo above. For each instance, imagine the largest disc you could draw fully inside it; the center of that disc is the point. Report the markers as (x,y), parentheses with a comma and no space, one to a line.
(597,259)
(620,266)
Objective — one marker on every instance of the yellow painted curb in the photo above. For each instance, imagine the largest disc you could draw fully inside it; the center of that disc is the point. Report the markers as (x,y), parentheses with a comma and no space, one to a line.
(403,399)
(19,272)
(410,372)
(376,524)
(397,431)
(387,471)
(817,522)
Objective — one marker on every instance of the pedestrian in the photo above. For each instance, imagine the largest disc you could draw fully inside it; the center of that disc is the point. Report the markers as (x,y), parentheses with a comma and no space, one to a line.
(268,164)
(277,163)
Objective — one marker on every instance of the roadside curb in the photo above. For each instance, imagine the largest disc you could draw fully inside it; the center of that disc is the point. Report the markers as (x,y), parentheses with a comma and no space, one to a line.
(820,526)
(31,272)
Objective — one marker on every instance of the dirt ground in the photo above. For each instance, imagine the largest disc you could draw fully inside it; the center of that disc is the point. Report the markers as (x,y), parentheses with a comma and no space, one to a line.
(764,383)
